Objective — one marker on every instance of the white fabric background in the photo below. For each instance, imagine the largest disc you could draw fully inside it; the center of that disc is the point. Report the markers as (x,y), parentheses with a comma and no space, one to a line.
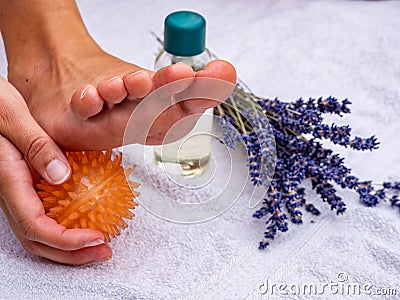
(288,49)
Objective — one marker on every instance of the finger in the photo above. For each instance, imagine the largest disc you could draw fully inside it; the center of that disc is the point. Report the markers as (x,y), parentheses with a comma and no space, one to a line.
(45,230)
(27,210)
(18,125)
(36,226)
(75,257)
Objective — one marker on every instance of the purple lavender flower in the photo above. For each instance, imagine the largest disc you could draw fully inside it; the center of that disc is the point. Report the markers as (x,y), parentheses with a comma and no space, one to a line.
(370,143)
(395,201)
(230,134)
(282,126)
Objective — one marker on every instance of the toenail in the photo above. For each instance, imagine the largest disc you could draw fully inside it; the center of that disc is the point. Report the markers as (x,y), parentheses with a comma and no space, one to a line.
(84,92)
(111,79)
(180,64)
(137,72)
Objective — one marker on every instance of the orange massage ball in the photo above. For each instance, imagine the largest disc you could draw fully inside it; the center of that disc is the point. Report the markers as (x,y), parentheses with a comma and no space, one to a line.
(97,196)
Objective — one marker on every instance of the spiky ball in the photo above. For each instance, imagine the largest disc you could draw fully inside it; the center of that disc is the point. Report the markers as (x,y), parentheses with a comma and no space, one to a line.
(97,196)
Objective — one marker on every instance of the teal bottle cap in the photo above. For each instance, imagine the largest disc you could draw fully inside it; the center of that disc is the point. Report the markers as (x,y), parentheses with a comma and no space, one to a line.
(184,33)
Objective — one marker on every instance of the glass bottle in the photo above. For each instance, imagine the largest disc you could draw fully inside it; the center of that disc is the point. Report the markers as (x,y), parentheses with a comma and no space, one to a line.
(184,41)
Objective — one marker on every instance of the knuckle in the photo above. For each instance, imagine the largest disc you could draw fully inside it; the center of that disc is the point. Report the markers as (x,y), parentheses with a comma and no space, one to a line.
(37,145)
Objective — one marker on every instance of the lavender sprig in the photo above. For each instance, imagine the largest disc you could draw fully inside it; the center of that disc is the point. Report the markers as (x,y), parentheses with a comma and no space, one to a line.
(273,124)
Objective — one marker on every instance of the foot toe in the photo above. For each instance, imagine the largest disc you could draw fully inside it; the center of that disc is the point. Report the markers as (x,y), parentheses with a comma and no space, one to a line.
(219,69)
(138,84)
(173,73)
(86,102)
(209,93)
(112,90)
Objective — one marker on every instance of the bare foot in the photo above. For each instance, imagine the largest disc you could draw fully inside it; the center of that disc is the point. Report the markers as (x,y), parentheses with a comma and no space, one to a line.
(94,115)
(80,95)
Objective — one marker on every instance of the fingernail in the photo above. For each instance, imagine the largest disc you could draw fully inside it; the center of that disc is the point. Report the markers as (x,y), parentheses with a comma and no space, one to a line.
(94,243)
(103,259)
(84,92)
(57,171)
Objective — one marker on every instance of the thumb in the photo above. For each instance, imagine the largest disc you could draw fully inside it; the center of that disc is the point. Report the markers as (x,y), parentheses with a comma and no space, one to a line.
(18,125)
(45,157)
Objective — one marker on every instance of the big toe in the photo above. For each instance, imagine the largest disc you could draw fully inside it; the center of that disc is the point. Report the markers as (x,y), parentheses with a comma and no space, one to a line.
(204,94)
(86,102)
(219,69)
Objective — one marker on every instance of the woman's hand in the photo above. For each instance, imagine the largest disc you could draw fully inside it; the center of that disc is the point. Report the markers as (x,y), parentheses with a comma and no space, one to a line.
(22,137)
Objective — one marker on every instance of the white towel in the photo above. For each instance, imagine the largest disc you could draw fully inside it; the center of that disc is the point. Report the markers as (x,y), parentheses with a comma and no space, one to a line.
(287,49)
